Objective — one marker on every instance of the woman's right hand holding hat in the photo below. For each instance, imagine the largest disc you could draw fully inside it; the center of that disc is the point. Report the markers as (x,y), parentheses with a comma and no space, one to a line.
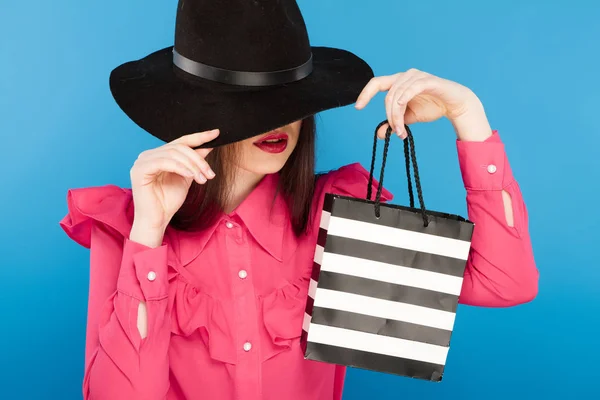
(160,180)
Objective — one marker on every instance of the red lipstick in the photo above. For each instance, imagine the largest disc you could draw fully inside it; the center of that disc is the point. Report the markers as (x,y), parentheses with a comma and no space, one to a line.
(274,143)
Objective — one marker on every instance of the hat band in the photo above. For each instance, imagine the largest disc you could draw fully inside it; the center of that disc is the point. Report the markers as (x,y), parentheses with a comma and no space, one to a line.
(243,78)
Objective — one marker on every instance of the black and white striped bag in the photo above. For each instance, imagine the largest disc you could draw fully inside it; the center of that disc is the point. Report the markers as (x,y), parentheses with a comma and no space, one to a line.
(386,281)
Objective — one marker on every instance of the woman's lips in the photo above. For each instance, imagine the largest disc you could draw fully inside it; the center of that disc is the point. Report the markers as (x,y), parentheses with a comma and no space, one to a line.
(273,143)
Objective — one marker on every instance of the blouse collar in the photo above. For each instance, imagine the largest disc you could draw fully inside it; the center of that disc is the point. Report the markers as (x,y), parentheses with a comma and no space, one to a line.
(264,212)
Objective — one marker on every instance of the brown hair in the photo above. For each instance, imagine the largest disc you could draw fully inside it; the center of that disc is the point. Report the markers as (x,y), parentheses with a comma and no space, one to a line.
(296,183)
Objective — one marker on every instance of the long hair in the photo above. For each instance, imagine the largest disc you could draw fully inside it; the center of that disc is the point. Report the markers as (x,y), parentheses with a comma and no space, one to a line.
(204,203)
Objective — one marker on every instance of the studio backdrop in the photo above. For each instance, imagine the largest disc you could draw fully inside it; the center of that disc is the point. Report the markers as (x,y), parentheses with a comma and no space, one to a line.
(534,64)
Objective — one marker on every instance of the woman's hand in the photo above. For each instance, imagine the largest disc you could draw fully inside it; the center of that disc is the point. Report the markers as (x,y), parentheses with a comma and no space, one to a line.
(416,96)
(161,178)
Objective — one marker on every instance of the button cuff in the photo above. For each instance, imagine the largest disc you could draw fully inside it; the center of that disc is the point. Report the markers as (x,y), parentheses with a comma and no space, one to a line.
(483,165)
(151,270)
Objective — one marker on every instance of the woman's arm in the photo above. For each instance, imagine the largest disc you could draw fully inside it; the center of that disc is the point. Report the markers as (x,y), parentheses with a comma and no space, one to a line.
(126,352)
(501,269)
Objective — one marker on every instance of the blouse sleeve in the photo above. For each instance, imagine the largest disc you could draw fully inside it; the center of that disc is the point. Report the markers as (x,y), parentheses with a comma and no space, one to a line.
(118,363)
(501,269)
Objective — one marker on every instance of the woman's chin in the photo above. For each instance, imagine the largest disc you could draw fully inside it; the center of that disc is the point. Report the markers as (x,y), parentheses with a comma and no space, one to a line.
(269,163)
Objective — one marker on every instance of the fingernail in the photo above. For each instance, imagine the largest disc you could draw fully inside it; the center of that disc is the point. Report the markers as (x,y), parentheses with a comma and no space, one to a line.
(189,173)
(201,178)
(210,173)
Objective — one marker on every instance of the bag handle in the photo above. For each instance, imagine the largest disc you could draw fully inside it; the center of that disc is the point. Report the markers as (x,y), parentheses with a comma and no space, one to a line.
(409,155)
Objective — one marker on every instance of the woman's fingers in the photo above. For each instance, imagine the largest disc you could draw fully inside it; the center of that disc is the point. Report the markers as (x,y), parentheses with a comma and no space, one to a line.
(395,118)
(181,151)
(197,158)
(393,84)
(154,166)
(375,85)
(190,163)
(399,109)
(402,99)
(382,130)
(415,88)
(194,140)
(176,153)
(202,152)
(197,139)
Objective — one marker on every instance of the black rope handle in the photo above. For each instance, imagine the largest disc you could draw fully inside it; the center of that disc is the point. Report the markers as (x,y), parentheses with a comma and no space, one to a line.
(370,185)
(411,195)
(409,155)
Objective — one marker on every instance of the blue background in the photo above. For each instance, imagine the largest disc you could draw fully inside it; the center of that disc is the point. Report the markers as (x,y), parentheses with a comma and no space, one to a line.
(534,64)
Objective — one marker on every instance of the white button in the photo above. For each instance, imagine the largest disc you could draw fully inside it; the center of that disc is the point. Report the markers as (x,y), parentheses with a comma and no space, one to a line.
(229,225)
(151,276)
(247,346)
(491,168)
(242,274)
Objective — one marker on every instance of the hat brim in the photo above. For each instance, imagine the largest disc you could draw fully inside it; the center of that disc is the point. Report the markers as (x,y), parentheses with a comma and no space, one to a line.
(168,105)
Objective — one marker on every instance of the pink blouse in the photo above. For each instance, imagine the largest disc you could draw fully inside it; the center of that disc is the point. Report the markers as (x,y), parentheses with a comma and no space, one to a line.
(225,306)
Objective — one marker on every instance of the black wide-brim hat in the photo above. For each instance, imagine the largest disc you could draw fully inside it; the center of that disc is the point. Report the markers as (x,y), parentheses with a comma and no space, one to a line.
(243,66)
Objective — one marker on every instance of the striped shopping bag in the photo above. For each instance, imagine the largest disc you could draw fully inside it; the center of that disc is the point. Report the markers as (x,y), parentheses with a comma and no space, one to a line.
(386,280)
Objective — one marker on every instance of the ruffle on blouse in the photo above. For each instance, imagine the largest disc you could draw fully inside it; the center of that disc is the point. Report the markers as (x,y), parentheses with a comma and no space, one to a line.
(197,312)
(109,205)
(193,311)
(282,316)
(281,312)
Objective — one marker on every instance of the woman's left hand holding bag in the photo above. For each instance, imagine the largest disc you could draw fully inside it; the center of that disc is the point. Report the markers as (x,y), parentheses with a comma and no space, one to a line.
(416,96)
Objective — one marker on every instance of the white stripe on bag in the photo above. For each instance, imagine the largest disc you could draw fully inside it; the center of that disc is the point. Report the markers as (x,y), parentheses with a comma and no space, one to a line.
(312,288)
(373,343)
(306,322)
(325,219)
(318,254)
(384,309)
(391,273)
(399,238)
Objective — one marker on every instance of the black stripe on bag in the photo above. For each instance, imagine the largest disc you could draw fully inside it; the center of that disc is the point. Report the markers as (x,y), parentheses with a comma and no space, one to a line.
(374,361)
(310,303)
(322,238)
(328,202)
(388,291)
(399,217)
(396,256)
(316,270)
(303,341)
(380,326)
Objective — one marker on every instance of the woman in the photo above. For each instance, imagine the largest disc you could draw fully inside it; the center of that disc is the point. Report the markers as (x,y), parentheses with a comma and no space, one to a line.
(199,273)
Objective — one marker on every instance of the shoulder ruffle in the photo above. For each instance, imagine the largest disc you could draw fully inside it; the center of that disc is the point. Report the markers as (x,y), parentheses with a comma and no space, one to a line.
(110,205)
(350,180)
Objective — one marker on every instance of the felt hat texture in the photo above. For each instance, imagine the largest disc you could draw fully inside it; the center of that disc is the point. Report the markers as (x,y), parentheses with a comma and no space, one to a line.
(243,66)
